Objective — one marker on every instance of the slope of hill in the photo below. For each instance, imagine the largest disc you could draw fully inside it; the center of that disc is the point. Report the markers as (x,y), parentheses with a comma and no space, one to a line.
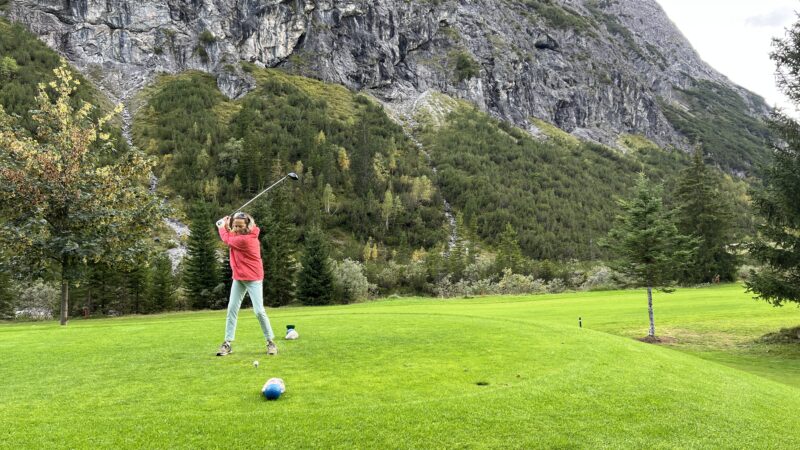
(559,193)
(360,174)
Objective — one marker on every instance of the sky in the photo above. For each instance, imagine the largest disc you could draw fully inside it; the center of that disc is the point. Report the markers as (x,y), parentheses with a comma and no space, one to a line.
(734,37)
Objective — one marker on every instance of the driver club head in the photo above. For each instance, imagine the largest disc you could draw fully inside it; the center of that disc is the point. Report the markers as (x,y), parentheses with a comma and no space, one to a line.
(293,176)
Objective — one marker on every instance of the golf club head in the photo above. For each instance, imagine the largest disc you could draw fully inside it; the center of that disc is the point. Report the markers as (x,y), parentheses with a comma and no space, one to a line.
(293,176)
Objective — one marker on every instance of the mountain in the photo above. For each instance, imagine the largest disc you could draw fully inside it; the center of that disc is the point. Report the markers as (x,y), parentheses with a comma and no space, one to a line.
(598,69)
(417,127)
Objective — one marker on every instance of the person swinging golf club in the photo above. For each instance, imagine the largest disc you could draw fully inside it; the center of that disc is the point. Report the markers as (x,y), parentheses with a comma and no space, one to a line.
(240,233)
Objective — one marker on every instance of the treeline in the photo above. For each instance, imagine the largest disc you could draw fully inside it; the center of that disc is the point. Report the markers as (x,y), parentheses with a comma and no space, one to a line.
(367,217)
(360,174)
(559,196)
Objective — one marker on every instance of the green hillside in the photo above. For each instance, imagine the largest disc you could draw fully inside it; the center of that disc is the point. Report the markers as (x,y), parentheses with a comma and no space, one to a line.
(717,118)
(224,152)
(25,61)
(417,373)
(558,194)
(371,185)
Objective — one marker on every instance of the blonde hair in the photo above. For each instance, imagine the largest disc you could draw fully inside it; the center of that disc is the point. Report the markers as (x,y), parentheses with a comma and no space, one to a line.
(247,218)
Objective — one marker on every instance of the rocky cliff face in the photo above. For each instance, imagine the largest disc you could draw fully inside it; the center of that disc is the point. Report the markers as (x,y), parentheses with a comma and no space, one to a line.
(596,68)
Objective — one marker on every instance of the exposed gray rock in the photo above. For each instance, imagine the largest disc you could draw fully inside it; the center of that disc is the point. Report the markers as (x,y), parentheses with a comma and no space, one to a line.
(179,250)
(596,80)
(234,82)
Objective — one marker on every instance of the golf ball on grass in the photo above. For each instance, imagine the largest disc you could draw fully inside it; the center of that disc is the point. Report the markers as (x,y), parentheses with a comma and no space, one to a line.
(273,388)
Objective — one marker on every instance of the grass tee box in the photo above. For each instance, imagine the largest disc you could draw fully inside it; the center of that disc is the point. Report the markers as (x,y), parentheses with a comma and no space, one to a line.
(503,372)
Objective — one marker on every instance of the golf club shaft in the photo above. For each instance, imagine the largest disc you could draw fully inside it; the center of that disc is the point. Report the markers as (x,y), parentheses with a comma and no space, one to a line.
(259,194)
(220,221)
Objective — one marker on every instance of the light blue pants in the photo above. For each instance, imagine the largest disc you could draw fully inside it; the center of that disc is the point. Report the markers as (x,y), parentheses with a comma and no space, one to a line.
(238,289)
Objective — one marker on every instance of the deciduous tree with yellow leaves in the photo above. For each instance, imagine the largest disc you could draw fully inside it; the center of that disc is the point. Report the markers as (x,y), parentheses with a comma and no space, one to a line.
(67,196)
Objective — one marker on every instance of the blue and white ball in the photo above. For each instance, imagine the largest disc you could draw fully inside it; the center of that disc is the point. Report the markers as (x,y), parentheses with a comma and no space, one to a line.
(273,388)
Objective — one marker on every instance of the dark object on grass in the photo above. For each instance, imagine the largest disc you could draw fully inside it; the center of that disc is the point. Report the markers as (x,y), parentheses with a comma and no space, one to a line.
(785,336)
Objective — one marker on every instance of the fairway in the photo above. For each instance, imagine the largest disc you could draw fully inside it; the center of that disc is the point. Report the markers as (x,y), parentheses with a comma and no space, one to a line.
(510,372)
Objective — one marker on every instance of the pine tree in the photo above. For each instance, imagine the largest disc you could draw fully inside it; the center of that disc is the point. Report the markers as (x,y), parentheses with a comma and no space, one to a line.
(161,296)
(137,283)
(97,285)
(777,245)
(315,280)
(646,243)
(777,202)
(277,250)
(509,255)
(202,268)
(226,274)
(704,213)
(459,255)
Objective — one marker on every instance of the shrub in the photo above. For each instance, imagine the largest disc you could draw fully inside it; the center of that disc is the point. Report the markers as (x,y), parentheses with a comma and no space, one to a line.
(444,288)
(555,286)
(37,301)
(484,287)
(514,283)
(599,278)
(207,37)
(538,286)
(415,275)
(202,53)
(743,273)
(465,66)
(482,267)
(349,282)
(389,277)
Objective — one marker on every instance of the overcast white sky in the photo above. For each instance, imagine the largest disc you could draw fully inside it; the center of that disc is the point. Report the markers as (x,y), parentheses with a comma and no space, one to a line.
(734,37)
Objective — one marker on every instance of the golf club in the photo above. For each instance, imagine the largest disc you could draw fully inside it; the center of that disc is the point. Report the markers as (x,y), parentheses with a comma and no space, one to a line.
(291,175)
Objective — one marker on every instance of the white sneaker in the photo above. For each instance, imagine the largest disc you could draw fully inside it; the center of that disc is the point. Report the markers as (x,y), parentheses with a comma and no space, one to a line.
(224,349)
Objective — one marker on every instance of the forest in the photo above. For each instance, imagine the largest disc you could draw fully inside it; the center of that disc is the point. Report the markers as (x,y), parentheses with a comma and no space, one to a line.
(459,206)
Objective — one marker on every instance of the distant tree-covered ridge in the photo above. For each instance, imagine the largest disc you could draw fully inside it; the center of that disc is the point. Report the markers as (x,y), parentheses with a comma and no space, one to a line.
(558,194)
(361,175)
(717,118)
(364,179)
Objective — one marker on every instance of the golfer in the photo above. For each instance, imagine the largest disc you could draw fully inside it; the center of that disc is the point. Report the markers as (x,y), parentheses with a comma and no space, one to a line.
(240,233)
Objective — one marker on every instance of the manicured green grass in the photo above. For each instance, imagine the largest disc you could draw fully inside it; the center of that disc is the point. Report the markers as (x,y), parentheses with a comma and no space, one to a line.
(510,372)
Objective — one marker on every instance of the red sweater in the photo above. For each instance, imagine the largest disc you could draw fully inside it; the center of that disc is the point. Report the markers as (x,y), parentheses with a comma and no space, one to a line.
(245,254)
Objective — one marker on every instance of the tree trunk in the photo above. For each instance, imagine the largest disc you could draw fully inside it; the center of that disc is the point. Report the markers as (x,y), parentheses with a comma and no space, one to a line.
(652,331)
(64,299)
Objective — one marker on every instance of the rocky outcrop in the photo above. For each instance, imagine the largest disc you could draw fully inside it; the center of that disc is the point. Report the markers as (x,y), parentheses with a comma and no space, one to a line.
(596,68)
